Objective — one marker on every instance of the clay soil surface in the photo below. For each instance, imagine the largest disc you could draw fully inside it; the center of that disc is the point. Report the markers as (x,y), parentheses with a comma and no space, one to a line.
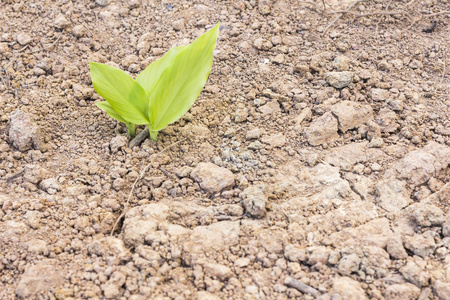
(314,164)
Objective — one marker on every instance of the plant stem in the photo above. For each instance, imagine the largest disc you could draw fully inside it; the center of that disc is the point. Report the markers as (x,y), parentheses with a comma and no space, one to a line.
(153,135)
(131,129)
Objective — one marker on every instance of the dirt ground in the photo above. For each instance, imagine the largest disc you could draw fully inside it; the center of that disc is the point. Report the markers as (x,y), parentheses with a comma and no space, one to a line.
(314,165)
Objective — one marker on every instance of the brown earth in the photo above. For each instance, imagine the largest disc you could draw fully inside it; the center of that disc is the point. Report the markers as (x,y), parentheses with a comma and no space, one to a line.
(313,165)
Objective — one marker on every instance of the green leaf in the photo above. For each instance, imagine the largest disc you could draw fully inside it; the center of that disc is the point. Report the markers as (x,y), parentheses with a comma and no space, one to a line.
(149,78)
(182,80)
(110,111)
(122,92)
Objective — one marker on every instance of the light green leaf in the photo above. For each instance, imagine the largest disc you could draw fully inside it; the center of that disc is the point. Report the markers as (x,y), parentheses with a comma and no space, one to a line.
(182,81)
(110,111)
(150,76)
(122,92)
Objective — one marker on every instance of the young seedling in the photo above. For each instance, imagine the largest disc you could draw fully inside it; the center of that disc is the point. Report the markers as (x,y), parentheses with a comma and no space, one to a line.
(163,92)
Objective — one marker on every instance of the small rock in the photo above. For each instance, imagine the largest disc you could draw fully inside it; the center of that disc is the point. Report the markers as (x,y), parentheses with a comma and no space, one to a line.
(395,248)
(255,145)
(33,174)
(323,130)
(178,25)
(376,142)
(302,69)
(415,64)
(50,185)
(339,80)
(426,215)
(242,262)
(347,288)
(341,63)
(386,119)
(392,195)
(254,201)
(37,246)
(421,244)
(102,2)
(351,114)
(183,171)
(4,48)
(117,143)
(241,114)
(414,274)
(272,107)
(79,31)
(142,221)
(41,277)
(212,178)
(23,133)
(218,271)
(349,264)
(134,4)
(275,140)
(82,92)
(253,134)
(212,238)
(129,59)
(24,39)
(61,22)
(365,74)
(442,290)
(279,59)
(405,291)
(379,94)
(318,254)
(262,44)
(294,254)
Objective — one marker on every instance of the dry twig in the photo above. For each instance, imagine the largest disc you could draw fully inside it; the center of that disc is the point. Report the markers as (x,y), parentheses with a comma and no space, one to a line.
(341,14)
(125,208)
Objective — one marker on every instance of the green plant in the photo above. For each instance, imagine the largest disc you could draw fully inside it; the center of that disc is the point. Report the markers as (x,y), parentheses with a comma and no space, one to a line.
(163,92)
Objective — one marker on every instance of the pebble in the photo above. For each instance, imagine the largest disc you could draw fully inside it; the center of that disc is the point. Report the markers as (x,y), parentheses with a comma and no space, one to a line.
(43,276)
(392,195)
(23,133)
(262,44)
(347,288)
(102,2)
(441,289)
(24,39)
(79,31)
(351,114)
(323,130)
(414,274)
(349,264)
(339,80)
(241,113)
(142,221)
(50,185)
(376,143)
(278,59)
(117,143)
(379,94)
(212,178)
(271,108)
(253,134)
(421,244)
(61,22)
(254,201)
(401,291)
(415,64)
(4,48)
(395,248)
(275,140)
(426,215)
